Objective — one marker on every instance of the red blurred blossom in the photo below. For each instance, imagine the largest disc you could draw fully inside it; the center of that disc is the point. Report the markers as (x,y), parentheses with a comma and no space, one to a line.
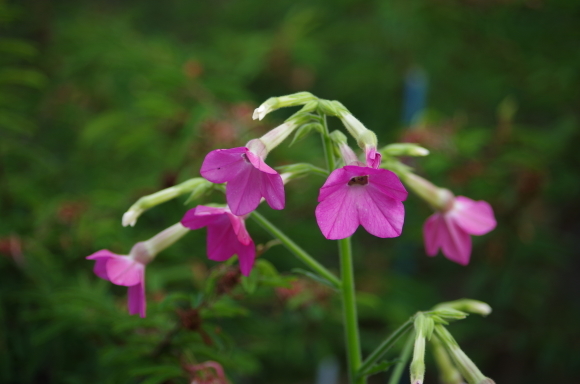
(209,372)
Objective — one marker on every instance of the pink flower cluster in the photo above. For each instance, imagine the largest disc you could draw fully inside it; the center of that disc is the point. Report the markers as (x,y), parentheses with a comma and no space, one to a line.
(354,195)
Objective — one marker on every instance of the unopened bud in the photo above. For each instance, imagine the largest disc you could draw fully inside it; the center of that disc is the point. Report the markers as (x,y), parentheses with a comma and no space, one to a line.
(448,374)
(466,367)
(274,103)
(197,186)
(423,329)
(404,149)
(466,305)
(338,137)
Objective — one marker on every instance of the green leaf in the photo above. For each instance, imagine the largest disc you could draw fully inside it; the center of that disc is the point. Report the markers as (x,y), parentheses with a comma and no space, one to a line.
(250,283)
(379,367)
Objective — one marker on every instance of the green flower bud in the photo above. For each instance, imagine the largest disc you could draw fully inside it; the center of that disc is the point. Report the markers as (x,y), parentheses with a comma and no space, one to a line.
(466,305)
(403,149)
(466,367)
(197,186)
(274,103)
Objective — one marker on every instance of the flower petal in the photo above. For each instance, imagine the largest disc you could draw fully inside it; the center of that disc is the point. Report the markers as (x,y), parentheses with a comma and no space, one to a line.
(136,299)
(221,240)
(239,227)
(259,163)
(337,214)
(201,216)
(246,256)
(379,214)
(101,257)
(389,183)
(455,242)
(337,180)
(123,270)
(221,165)
(373,157)
(474,217)
(272,188)
(243,192)
(431,229)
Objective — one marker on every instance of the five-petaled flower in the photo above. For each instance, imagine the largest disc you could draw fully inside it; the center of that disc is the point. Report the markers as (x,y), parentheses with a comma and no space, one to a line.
(450,229)
(128,271)
(226,234)
(248,178)
(357,195)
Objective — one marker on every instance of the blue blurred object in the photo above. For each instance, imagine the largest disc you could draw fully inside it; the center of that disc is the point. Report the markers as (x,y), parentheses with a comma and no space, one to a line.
(327,372)
(415,94)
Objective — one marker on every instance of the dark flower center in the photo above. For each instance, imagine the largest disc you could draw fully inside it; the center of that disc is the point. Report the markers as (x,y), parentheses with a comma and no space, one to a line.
(359,180)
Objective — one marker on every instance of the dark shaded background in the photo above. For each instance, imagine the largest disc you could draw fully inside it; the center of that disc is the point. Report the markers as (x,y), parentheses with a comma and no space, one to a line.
(104,102)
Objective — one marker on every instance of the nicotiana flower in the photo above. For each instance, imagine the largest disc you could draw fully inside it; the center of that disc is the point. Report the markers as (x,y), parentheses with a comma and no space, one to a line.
(248,177)
(226,234)
(450,229)
(129,270)
(356,195)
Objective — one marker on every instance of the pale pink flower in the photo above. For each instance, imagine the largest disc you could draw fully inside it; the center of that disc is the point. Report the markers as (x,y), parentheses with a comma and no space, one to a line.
(210,372)
(356,195)
(226,235)
(450,230)
(248,178)
(128,271)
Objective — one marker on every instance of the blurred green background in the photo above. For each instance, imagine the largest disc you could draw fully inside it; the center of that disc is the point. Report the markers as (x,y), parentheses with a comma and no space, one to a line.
(102,102)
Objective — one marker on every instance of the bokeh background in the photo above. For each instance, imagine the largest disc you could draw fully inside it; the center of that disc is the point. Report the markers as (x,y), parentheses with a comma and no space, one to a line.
(102,102)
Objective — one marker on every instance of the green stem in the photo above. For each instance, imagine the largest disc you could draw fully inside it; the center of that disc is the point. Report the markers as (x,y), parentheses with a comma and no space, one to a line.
(349,311)
(403,360)
(327,145)
(386,345)
(296,250)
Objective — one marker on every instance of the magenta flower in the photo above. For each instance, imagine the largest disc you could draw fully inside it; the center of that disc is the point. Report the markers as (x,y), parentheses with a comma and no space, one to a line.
(248,177)
(356,195)
(226,235)
(128,271)
(450,230)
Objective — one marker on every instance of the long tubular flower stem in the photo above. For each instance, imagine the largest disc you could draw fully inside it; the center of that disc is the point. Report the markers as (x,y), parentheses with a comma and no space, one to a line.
(296,250)
(349,311)
(386,345)
(403,360)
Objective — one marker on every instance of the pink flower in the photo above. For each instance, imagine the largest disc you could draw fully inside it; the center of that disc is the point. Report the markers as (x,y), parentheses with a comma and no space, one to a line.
(356,195)
(450,230)
(226,235)
(248,177)
(128,271)
(209,372)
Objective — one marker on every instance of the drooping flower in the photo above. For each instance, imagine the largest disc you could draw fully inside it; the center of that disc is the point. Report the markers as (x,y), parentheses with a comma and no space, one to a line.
(450,230)
(357,195)
(247,176)
(129,270)
(226,234)
(125,270)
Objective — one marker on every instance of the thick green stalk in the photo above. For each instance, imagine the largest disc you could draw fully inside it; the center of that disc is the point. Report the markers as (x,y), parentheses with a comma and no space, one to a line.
(349,312)
(386,345)
(296,250)
(403,360)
